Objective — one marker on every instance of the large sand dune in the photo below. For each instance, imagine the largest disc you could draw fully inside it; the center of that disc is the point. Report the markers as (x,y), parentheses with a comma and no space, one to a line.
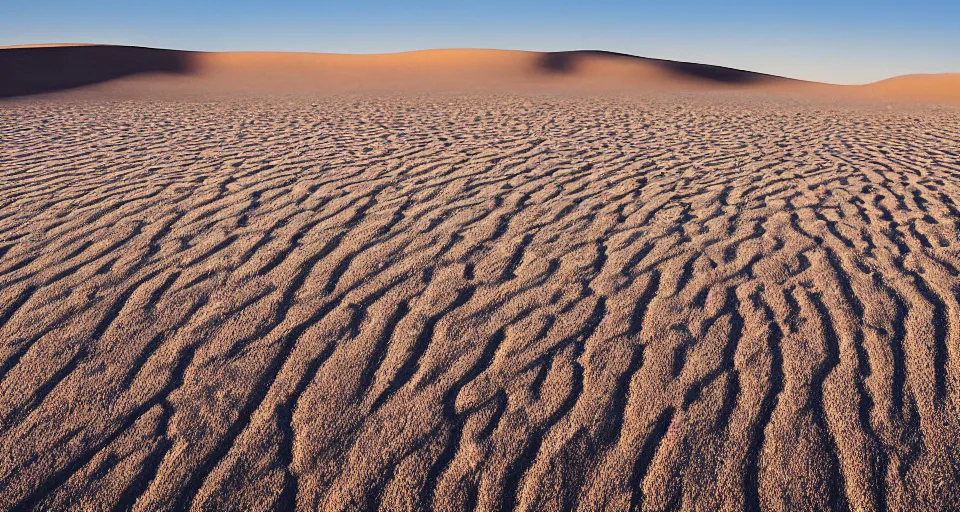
(662,300)
(39,69)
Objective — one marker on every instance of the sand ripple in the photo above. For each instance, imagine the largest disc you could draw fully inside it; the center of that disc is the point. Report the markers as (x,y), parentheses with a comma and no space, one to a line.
(697,302)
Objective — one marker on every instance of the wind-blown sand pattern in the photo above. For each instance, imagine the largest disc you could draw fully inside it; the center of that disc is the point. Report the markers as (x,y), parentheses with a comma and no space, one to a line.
(535,302)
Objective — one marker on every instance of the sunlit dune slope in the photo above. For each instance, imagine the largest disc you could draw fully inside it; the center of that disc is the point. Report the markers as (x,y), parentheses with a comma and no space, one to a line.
(36,69)
(933,87)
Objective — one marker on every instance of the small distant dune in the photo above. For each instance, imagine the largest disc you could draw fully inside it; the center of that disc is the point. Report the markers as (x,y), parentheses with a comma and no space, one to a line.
(929,87)
(34,69)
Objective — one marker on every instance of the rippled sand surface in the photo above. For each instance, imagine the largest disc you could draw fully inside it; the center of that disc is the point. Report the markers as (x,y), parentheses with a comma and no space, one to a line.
(495,302)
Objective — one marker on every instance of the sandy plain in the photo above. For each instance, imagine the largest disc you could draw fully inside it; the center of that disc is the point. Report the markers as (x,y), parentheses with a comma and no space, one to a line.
(704,299)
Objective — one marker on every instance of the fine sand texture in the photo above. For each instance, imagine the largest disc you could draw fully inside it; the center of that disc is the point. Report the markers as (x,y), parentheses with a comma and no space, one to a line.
(707,300)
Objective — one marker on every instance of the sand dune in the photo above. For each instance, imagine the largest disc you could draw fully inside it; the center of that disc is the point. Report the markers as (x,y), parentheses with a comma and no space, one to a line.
(526,301)
(41,69)
(30,70)
(943,87)
(38,69)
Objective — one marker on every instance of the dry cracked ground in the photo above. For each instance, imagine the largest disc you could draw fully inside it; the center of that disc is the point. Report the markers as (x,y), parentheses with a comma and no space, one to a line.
(488,302)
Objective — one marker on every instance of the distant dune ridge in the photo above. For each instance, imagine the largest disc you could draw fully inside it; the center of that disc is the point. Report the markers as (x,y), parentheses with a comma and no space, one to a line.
(34,69)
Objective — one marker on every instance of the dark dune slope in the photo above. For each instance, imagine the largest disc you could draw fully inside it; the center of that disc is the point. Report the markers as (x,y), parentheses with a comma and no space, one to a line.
(25,71)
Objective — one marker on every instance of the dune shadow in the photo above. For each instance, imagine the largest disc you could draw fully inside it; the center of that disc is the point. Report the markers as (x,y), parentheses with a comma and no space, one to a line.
(566,62)
(27,71)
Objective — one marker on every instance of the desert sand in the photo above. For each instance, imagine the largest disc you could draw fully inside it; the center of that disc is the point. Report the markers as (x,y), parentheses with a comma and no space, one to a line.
(175,74)
(515,284)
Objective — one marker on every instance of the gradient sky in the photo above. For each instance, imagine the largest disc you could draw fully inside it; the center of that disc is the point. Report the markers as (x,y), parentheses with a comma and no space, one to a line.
(840,41)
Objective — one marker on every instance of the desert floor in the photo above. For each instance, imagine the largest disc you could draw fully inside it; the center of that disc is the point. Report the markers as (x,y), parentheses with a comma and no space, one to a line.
(694,301)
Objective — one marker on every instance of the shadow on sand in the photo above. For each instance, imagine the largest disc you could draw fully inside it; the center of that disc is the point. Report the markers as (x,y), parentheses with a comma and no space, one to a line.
(566,62)
(26,71)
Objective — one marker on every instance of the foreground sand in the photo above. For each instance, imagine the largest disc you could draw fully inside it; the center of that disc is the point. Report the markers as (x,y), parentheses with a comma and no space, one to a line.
(698,301)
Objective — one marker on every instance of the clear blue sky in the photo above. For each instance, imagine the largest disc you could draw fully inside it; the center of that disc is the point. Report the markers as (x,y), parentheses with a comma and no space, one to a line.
(840,41)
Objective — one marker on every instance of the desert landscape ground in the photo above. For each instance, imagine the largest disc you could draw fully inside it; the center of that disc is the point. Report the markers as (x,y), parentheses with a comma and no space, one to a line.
(702,296)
